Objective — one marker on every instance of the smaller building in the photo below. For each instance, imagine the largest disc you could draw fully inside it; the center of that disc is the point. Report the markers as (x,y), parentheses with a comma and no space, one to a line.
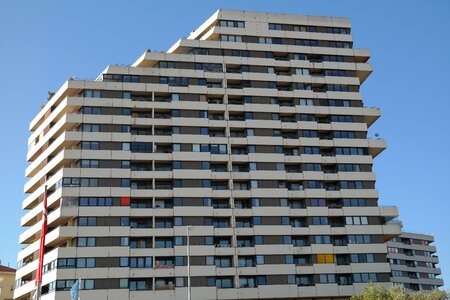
(414,262)
(7,277)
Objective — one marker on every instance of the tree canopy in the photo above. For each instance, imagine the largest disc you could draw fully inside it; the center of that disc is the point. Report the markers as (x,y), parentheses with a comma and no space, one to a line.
(379,292)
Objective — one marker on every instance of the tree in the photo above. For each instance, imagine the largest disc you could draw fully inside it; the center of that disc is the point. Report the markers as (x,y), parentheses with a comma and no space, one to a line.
(379,292)
(50,95)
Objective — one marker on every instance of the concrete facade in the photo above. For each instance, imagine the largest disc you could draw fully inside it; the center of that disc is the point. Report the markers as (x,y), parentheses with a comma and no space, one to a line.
(251,134)
(414,262)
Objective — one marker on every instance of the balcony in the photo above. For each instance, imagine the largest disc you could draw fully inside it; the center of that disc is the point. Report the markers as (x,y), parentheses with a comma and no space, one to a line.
(160,287)
(163,99)
(141,98)
(376,146)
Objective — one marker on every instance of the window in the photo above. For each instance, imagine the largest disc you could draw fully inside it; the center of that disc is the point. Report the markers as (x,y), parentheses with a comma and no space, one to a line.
(141,262)
(124,241)
(90,127)
(224,282)
(218,148)
(344,134)
(392,250)
(123,283)
(176,113)
(86,242)
(90,145)
(349,168)
(351,151)
(125,183)
(313,167)
(93,201)
(337,30)
(200,51)
(265,40)
(167,65)
(246,261)
(230,38)
(303,42)
(306,102)
(318,202)
(87,284)
(365,277)
(312,150)
(275,26)
(351,185)
(176,165)
(204,131)
(163,243)
(124,262)
(260,259)
(126,95)
(362,258)
(304,280)
(92,93)
(297,222)
(124,221)
(359,239)
(176,147)
(320,220)
(354,202)
(327,278)
(302,260)
(91,110)
(347,119)
(139,285)
(141,147)
(89,163)
(322,239)
(337,44)
(337,87)
(356,221)
(87,221)
(176,130)
(315,184)
(236,24)
(302,71)
(222,262)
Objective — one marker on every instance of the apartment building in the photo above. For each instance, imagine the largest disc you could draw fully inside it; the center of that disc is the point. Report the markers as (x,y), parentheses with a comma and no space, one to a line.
(7,276)
(414,261)
(236,165)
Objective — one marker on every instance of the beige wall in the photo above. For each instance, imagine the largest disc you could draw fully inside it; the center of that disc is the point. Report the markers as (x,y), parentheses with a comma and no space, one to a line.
(6,285)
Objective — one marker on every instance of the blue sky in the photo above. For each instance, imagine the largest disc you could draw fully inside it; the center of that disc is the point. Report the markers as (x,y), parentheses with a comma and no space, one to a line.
(42,43)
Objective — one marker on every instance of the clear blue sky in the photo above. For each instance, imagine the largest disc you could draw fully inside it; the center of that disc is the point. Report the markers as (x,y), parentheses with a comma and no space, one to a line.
(42,43)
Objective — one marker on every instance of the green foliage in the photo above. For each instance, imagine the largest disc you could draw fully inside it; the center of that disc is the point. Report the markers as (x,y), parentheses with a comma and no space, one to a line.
(379,292)
(50,95)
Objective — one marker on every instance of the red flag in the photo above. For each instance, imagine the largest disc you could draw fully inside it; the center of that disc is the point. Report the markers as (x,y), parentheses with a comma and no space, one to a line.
(42,245)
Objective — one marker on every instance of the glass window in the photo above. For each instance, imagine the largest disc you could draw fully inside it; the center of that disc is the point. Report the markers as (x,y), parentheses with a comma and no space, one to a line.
(126,95)
(124,221)
(125,183)
(123,262)
(204,131)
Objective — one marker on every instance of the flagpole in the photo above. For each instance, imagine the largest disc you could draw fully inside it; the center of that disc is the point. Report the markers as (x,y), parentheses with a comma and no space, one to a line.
(42,246)
(188,263)
(79,293)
